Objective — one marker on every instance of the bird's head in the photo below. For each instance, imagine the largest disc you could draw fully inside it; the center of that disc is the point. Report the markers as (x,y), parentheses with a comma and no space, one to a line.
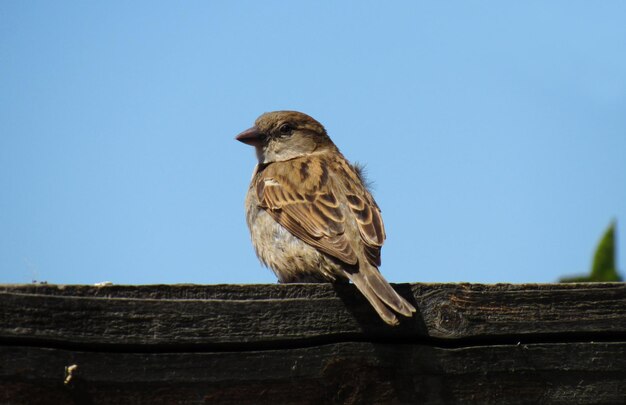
(284,135)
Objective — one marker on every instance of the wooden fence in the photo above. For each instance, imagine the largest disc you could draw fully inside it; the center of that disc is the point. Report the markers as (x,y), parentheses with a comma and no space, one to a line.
(311,344)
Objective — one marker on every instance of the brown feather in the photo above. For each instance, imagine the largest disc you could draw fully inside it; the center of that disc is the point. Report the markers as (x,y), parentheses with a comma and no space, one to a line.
(315,219)
(310,213)
(372,295)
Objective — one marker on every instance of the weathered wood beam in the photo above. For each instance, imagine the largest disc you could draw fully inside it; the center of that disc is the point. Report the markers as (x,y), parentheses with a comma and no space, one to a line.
(312,343)
(343,373)
(260,314)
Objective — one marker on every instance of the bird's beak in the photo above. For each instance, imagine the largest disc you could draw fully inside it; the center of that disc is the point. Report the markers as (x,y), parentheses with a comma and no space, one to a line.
(251,136)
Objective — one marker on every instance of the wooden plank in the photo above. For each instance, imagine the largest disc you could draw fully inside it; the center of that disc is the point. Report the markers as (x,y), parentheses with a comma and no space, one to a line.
(344,373)
(266,316)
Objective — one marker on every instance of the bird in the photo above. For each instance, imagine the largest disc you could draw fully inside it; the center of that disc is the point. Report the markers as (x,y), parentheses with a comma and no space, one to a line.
(310,214)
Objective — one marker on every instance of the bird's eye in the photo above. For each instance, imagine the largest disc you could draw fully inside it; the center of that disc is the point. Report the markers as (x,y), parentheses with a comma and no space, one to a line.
(285,129)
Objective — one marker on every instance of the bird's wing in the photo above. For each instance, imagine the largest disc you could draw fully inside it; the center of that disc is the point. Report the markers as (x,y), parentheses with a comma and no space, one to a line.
(364,209)
(299,194)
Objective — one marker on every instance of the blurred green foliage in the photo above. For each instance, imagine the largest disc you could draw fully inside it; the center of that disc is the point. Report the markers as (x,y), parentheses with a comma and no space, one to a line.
(604,267)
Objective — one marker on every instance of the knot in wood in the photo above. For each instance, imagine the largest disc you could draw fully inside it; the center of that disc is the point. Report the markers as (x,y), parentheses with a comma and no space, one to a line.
(449,321)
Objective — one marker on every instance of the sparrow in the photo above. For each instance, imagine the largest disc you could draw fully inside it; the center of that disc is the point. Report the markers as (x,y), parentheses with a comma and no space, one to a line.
(310,215)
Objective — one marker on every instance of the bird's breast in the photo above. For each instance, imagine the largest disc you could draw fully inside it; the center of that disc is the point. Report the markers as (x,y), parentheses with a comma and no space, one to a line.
(291,259)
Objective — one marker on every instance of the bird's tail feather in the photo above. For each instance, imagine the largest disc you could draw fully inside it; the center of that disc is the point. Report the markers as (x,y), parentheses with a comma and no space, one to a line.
(380,294)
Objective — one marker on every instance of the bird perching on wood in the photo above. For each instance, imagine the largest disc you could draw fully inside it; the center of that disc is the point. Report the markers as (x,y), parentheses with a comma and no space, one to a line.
(310,214)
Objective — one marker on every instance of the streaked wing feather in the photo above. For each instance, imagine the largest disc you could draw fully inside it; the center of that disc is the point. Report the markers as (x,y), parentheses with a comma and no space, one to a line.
(366,213)
(312,214)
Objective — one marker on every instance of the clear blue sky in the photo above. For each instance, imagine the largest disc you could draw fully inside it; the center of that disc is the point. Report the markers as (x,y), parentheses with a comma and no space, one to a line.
(495,132)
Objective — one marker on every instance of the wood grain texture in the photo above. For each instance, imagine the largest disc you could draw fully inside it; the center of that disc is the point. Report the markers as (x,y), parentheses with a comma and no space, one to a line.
(312,344)
(344,373)
(260,314)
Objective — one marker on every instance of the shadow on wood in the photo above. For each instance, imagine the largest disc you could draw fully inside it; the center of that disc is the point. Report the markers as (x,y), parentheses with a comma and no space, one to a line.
(311,343)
